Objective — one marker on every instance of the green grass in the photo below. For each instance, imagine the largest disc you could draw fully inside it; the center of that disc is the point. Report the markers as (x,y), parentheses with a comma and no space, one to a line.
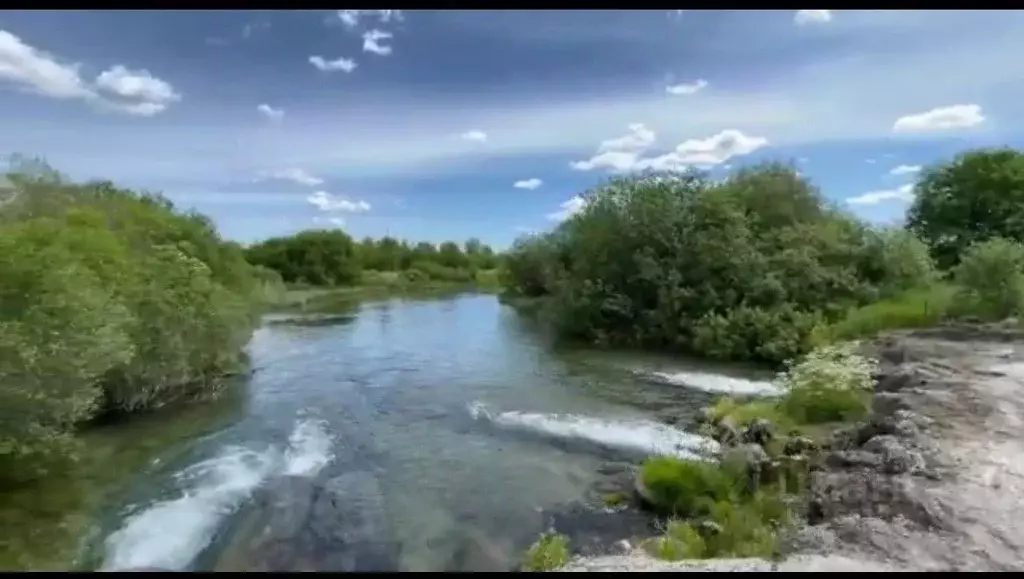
(550,552)
(918,308)
(714,511)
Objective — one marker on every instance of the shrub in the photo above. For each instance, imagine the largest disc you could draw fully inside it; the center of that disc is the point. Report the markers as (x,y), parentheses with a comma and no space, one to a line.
(550,552)
(831,383)
(991,279)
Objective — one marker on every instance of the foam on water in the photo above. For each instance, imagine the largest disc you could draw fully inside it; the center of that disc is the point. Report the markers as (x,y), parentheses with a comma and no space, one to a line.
(638,435)
(169,534)
(717,383)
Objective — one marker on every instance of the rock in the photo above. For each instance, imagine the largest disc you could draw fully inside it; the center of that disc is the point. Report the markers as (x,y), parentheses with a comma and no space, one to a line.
(895,458)
(895,380)
(844,459)
(798,445)
(758,432)
(725,432)
(301,524)
(753,459)
(642,492)
(621,547)
(884,425)
(888,403)
(706,416)
(866,493)
(892,352)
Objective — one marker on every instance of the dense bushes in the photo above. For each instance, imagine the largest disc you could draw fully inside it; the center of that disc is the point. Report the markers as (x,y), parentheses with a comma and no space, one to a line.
(110,301)
(332,258)
(760,267)
(746,268)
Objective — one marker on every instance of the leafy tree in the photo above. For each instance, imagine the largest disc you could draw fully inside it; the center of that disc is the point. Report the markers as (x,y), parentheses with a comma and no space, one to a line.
(740,269)
(974,197)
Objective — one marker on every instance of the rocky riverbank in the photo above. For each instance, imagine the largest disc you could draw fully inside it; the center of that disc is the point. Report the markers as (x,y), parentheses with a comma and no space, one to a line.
(931,482)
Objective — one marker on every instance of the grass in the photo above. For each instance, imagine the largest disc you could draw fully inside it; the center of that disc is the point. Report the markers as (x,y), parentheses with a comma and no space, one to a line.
(917,308)
(550,552)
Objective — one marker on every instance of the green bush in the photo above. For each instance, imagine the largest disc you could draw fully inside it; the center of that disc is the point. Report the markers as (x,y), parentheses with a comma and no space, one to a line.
(716,511)
(550,552)
(742,269)
(111,302)
(990,277)
(832,383)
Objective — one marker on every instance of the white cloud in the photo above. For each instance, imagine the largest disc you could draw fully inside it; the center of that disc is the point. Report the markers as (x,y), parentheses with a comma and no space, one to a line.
(343,64)
(270,112)
(803,17)
(939,119)
(568,209)
(905,170)
(371,42)
(294,175)
(626,153)
(38,71)
(351,18)
(324,201)
(530,184)
(475,135)
(151,95)
(903,193)
(687,88)
(117,88)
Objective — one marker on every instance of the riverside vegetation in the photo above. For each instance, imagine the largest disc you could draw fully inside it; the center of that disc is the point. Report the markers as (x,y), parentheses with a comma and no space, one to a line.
(327,269)
(759,267)
(114,302)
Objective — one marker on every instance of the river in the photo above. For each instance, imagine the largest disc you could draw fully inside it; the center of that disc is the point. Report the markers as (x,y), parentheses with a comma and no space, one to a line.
(425,435)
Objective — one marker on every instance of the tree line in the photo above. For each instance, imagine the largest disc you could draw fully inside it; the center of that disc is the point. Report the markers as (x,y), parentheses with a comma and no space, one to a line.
(330,257)
(762,267)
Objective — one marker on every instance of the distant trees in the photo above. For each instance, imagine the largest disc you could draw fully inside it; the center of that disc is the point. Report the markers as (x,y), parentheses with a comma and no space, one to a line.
(332,258)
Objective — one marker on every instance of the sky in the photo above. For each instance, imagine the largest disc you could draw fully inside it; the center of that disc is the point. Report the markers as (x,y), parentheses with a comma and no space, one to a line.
(437,125)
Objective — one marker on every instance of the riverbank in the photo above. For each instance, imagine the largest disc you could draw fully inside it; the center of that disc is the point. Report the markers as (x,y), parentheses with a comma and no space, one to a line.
(930,482)
(375,286)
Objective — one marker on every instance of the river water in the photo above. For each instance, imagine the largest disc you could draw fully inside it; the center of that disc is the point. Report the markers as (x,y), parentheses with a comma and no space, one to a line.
(424,435)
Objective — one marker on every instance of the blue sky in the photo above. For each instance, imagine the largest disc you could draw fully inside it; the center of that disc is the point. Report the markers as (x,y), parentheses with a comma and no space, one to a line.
(449,125)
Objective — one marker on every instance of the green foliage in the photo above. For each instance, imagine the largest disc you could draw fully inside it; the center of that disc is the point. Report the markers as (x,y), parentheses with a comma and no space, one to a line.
(331,258)
(972,198)
(111,301)
(716,511)
(689,488)
(990,277)
(550,552)
(742,269)
(831,384)
(318,257)
(915,308)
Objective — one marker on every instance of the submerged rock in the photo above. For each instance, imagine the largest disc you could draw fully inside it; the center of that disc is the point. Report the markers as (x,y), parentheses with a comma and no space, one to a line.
(300,524)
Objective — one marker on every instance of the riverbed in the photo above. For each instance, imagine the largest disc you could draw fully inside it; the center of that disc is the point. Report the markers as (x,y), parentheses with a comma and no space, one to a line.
(438,435)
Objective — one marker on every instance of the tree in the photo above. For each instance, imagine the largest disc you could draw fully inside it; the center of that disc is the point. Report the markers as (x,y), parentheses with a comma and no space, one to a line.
(975,197)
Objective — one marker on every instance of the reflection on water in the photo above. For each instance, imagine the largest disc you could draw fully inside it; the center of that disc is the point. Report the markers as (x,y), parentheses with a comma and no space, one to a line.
(423,435)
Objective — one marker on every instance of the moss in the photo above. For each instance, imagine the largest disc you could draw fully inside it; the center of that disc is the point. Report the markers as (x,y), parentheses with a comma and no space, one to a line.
(613,500)
(550,552)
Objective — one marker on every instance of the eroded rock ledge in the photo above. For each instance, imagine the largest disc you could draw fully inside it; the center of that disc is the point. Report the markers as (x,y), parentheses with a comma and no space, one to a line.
(932,482)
